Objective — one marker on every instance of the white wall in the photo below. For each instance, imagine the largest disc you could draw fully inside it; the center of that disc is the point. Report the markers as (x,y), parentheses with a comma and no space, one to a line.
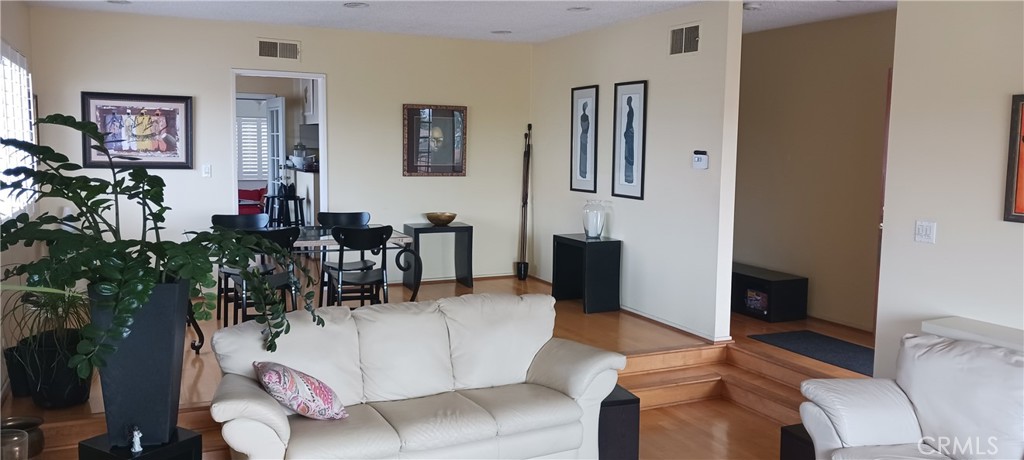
(809,173)
(677,242)
(956,66)
(368,78)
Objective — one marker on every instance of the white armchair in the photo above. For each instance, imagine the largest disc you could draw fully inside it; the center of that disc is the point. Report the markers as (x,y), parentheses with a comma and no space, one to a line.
(950,399)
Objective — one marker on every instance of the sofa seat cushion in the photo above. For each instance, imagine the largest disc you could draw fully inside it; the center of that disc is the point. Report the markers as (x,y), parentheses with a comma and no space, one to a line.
(364,434)
(891,452)
(524,407)
(437,421)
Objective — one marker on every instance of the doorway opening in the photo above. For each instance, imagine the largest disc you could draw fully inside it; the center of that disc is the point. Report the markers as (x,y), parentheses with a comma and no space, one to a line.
(280,140)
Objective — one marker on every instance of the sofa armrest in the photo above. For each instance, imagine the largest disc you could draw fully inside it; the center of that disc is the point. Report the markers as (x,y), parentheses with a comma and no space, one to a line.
(862,412)
(570,367)
(239,398)
(823,434)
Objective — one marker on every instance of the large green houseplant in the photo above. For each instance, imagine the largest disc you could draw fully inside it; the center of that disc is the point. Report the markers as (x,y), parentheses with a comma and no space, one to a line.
(91,245)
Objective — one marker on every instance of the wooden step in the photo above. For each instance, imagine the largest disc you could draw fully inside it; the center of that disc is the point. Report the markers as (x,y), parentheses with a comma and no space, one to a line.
(776,400)
(674,359)
(673,386)
(781,365)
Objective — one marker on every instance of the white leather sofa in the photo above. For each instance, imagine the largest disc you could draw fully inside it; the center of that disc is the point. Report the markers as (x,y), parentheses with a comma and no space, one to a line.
(477,376)
(950,399)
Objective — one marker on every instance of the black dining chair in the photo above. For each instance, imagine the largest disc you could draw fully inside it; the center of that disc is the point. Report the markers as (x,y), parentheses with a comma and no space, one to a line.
(365,285)
(225,288)
(277,279)
(342,219)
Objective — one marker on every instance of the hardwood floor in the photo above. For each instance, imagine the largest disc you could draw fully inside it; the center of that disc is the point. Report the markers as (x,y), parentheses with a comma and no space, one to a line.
(710,429)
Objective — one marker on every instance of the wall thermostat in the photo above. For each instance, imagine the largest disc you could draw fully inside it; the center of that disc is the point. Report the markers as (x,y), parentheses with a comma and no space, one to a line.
(700,159)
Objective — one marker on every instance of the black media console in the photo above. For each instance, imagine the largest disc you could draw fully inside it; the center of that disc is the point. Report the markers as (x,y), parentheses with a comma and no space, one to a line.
(768,295)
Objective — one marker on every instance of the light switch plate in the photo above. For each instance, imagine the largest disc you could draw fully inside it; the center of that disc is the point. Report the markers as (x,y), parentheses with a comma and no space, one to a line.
(924,231)
(207,171)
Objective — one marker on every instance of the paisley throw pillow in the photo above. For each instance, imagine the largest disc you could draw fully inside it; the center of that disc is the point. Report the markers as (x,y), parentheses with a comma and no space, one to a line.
(299,392)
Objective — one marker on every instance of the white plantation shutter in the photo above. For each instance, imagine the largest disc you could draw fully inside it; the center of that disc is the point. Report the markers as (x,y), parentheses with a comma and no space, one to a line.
(253,162)
(16,116)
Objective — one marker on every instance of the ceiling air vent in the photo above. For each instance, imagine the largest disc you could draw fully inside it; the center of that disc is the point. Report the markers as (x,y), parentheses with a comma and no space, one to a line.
(279,49)
(685,39)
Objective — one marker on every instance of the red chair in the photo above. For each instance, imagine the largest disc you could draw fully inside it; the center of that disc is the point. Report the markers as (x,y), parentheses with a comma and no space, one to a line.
(251,201)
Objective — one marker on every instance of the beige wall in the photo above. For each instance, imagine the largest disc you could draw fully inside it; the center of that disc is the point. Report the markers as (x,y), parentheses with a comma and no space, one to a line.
(809,173)
(956,65)
(368,78)
(14,24)
(677,242)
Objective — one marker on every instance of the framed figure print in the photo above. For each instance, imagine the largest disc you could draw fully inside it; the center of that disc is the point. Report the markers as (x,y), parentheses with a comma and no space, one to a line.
(583,139)
(434,138)
(630,136)
(142,130)
(1014,205)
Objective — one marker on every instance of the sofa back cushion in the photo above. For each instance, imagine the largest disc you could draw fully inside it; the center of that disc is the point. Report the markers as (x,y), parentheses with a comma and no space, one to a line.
(494,337)
(404,350)
(304,349)
(969,396)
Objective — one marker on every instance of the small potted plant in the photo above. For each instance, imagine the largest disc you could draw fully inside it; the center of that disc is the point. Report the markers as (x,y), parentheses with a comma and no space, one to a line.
(140,286)
(48,323)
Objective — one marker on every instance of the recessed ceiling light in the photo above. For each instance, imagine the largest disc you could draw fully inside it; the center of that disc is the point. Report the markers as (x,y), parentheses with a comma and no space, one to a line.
(119,2)
(578,9)
(501,32)
(355,5)
(750,6)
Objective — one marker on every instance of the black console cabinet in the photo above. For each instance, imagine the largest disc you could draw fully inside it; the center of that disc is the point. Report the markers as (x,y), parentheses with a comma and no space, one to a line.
(618,429)
(587,269)
(768,295)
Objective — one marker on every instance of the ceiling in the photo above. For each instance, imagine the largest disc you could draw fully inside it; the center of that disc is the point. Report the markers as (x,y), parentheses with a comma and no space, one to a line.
(525,21)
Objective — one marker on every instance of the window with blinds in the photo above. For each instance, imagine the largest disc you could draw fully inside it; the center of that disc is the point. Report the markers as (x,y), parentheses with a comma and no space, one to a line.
(253,159)
(16,115)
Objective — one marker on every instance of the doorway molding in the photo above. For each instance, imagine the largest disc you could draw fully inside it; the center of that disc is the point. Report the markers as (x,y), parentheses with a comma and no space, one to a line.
(321,101)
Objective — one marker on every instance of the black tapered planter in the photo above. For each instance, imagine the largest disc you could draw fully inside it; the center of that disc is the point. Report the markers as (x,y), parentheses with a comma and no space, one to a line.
(142,380)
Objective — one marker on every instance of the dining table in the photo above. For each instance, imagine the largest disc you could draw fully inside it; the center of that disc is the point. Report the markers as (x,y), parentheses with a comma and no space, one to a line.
(318,240)
(320,237)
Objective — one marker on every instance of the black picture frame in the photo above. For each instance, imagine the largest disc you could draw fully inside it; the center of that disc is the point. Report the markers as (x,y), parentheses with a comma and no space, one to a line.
(142,130)
(583,139)
(629,145)
(1013,210)
(434,140)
